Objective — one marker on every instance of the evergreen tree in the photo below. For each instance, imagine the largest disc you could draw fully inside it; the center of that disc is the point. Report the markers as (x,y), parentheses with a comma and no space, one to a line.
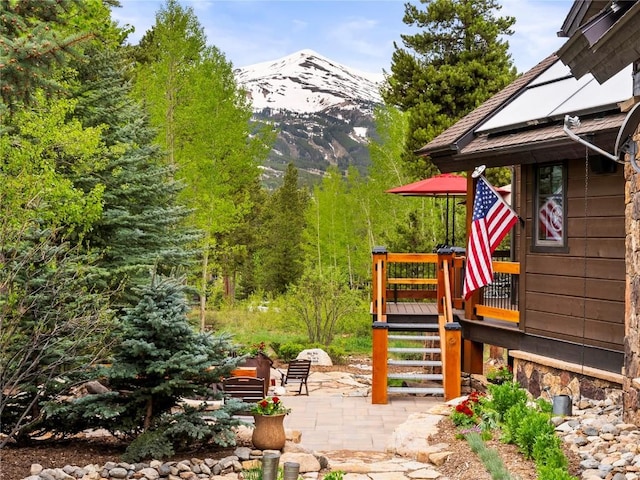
(456,62)
(32,42)
(281,255)
(159,360)
(142,224)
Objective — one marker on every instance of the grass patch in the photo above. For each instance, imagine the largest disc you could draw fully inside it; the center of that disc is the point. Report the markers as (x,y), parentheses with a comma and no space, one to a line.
(489,456)
(270,322)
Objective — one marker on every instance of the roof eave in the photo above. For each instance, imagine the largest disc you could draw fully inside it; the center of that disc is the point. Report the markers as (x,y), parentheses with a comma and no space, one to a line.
(559,148)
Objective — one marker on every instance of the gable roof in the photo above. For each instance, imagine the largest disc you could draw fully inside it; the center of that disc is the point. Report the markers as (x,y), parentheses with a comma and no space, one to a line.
(523,123)
(606,43)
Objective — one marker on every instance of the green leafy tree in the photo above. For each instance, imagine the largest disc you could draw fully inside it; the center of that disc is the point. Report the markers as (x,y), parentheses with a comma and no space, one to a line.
(205,125)
(53,327)
(320,301)
(336,236)
(457,61)
(159,360)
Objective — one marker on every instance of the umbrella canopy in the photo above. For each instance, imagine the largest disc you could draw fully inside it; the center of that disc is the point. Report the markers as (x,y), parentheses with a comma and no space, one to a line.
(443,185)
(439,185)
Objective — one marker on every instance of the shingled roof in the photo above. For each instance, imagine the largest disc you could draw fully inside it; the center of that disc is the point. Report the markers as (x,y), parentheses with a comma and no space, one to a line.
(523,123)
(449,139)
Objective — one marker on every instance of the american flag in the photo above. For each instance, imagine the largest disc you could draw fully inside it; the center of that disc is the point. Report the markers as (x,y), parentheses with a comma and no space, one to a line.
(492,220)
(550,217)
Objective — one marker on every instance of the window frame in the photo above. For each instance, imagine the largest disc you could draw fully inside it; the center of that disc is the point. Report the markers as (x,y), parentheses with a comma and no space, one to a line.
(549,246)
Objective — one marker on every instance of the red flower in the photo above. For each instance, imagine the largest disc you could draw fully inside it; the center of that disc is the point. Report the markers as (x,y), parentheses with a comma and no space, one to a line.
(276,400)
(264,404)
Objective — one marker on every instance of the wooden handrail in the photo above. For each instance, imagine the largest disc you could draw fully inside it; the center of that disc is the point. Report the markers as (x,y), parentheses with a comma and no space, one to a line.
(412,257)
(500,266)
(448,306)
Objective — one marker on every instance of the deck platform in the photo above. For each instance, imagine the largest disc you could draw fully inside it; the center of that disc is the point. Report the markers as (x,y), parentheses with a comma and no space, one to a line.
(412,308)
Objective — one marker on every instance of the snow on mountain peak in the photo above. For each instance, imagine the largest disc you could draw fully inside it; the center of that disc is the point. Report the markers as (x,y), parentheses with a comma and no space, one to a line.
(306,82)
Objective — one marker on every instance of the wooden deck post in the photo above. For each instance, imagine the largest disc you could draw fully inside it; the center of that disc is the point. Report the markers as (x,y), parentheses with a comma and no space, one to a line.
(444,254)
(379,372)
(472,357)
(452,360)
(379,284)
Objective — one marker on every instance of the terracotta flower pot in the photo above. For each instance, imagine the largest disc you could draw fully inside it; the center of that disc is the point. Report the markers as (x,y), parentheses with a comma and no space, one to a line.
(268,433)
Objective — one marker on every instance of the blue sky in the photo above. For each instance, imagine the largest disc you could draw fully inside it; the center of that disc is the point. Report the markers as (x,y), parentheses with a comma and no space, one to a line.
(356,33)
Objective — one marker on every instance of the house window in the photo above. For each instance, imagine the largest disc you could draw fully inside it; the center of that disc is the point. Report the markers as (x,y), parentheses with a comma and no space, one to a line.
(550,206)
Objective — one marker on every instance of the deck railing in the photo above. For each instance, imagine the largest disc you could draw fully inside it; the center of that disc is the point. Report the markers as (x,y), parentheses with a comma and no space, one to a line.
(400,277)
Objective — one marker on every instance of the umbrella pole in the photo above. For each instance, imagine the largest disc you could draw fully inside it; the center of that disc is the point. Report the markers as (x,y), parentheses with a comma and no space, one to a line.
(453,225)
(446,239)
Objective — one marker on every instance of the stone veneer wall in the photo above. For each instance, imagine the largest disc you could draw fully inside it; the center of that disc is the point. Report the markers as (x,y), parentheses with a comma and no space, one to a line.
(631,384)
(567,379)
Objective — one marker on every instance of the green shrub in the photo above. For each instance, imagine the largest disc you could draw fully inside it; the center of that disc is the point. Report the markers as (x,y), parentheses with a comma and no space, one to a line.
(512,420)
(547,451)
(544,405)
(489,456)
(289,351)
(554,473)
(335,475)
(533,425)
(505,396)
(338,355)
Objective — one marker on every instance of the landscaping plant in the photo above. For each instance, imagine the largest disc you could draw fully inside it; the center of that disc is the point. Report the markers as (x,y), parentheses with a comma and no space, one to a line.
(159,360)
(525,424)
(489,456)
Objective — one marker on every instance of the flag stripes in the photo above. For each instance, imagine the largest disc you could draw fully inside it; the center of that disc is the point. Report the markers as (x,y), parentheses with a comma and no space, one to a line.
(492,220)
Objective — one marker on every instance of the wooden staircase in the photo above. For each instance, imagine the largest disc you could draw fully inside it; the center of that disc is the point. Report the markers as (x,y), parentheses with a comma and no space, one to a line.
(413,329)
(421,376)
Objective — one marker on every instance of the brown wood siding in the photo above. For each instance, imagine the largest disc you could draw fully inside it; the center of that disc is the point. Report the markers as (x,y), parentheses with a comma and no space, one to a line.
(568,295)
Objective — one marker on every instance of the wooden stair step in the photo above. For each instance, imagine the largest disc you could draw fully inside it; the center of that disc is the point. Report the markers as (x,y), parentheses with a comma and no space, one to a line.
(426,338)
(415,376)
(413,327)
(414,350)
(417,390)
(415,363)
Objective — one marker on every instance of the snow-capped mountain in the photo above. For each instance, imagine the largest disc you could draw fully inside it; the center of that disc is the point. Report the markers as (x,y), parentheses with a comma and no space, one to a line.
(306,82)
(323,111)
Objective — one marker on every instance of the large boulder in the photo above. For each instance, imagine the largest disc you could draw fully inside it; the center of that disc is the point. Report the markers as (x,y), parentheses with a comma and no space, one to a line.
(317,357)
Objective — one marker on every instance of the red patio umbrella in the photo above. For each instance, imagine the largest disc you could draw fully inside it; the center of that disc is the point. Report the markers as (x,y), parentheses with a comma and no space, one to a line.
(443,185)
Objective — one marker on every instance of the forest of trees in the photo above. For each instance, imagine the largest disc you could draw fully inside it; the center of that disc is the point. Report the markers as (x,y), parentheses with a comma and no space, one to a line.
(130,186)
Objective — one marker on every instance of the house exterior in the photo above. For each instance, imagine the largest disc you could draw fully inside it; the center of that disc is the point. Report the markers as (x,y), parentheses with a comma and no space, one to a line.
(579,285)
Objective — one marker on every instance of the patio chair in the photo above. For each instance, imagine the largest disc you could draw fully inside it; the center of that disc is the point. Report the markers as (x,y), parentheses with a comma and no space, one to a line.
(297,372)
(247,389)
